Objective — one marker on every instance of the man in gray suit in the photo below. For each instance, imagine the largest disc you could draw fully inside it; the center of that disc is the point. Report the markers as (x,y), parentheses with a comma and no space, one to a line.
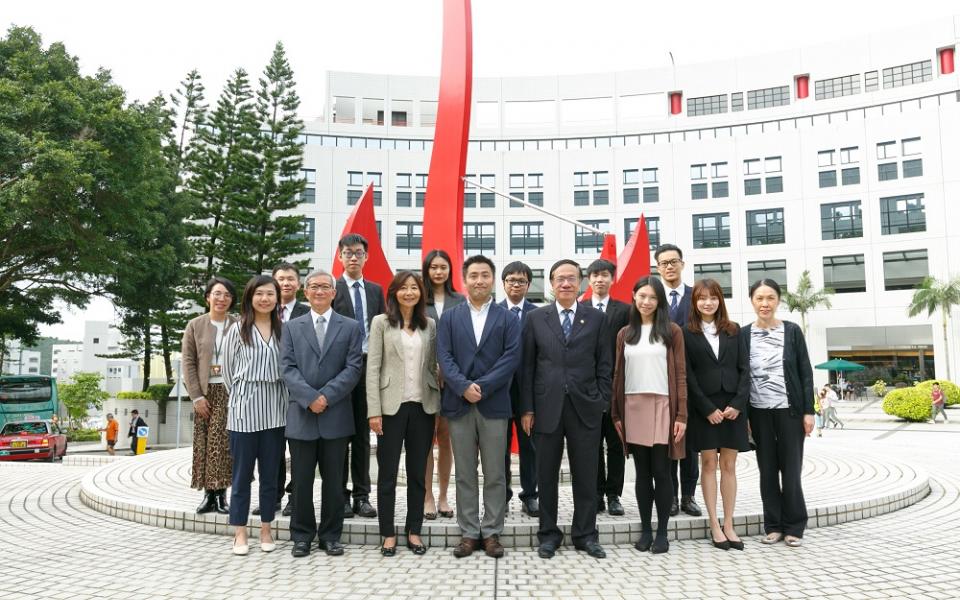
(321,358)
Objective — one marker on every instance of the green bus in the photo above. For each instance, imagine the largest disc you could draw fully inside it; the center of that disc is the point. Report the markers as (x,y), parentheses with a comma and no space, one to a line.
(27,397)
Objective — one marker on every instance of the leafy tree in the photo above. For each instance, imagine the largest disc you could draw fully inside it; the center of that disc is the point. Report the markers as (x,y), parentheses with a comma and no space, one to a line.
(257,237)
(933,295)
(82,395)
(805,298)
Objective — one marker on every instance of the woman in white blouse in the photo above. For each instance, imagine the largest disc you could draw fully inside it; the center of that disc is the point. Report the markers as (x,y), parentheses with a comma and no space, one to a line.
(258,407)
(403,395)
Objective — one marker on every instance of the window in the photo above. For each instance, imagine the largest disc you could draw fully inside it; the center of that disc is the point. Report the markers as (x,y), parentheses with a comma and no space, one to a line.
(912,168)
(718,170)
(405,198)
(707,105)
(773,164)
(536,289)
(308,195)
(479,238)
(768,269)
(698,172)
(309,235)
(721,189)
(516,180)
(910,146)
(581,178)
(751,187)
(587,241)
(825,158)
(403,180)
(698,191)
(581,198)
(409,236)
(774,184)
(828,179)
(355,183)
(653,231)
(535,180)
(768,97)
(751,166)
(871,81)
(353,196)
(631,196)
(601,197)
(736,101)
(631,177)
(847,85)
(96,340)
(535,198)
(886,150)
(601,178)
(902,214)
(650,175)
(887,171)
(841,220)
(849,155)
(526,237)
(651,194)
(904,269)
(909,74)
(721,272)
(844,274)
(765,227)
(354,178)
(851,176)
(711,230)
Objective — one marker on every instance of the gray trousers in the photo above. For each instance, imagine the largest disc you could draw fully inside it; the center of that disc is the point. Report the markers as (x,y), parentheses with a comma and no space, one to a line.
(473,434)
(938,409)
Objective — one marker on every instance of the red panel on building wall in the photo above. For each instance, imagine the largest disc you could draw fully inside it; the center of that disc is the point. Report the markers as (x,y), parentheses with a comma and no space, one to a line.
(676,103)
(946,61)
(803,86)
(363,220)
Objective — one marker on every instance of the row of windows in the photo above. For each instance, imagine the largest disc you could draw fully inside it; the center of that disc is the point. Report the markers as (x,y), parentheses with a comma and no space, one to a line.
(847,85)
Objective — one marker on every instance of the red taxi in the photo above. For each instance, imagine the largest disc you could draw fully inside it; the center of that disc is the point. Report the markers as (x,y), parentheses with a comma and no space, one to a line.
(32,440)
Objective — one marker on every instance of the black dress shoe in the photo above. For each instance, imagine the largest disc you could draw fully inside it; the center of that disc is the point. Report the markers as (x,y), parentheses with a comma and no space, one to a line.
(334,548)
(288,509)
(255,511)
(614,508)
(364,509)
(300,549)
(531,507)
(222,507)
(347,511)
(547,550)
(601,507)
(660,545)
(689,506)
(645,541)
(736,545)
(209,503)
(724,545)
(594,549)
(675,508)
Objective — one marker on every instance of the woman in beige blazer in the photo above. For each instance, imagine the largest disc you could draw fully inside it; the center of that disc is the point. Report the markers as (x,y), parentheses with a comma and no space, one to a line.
(403,395)
(202,359)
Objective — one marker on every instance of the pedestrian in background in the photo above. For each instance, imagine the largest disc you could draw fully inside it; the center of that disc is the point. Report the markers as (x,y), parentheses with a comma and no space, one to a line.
(937,403)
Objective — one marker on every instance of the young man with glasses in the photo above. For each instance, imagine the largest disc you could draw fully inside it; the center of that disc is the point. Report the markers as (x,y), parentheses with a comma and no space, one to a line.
(669,259)
(516,278)
(360,300)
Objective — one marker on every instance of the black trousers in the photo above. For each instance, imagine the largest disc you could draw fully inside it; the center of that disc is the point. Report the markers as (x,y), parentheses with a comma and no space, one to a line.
(305,457)
(779,438)
(610,471)
(689,471)
(411,428)
(265,449)
(528,465)
(282,479)
(583,443)
(356,462)
(653,484)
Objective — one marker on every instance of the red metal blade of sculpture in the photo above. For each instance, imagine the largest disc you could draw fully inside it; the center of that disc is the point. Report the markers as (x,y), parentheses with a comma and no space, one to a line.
(609,252)
(634,263)
(363,221)
(443,205)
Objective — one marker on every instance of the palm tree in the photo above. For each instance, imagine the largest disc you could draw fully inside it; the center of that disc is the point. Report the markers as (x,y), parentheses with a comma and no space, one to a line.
(932,295)
(805,299)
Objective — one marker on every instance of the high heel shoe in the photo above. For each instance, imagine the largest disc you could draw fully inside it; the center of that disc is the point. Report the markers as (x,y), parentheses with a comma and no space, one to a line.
(418,549)
(736,545)
(389,551)
(724,545)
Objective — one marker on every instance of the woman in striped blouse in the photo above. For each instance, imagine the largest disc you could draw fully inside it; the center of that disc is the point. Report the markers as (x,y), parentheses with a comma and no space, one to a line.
(258,407)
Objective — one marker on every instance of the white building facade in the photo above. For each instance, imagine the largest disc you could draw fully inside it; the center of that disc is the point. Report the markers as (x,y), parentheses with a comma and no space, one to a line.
(840,159)
(20,361)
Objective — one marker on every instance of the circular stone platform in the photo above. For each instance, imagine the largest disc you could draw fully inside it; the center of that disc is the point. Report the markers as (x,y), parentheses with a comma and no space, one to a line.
(154,489)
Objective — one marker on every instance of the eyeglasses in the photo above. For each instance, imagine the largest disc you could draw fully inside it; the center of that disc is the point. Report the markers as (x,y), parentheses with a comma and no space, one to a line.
(221,295)
(571,279)
(515,282)
(674,262)
(352,254)
(319,288)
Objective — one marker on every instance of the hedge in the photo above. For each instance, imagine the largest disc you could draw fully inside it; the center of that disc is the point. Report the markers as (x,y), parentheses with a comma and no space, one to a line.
(134,396)
(951,391)
(914,404)
(83,435)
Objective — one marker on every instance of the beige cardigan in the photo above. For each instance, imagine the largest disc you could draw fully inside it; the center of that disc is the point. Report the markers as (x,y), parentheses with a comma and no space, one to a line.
(385,368)
(197,348)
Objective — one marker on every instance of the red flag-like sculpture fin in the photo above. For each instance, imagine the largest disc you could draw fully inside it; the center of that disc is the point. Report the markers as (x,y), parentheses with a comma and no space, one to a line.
(443,205)
(363,221)
(609,252)
(634,263)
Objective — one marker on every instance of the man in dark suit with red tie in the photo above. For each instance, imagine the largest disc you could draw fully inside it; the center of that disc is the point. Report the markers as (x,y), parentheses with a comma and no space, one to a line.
(360,300)
(566,384)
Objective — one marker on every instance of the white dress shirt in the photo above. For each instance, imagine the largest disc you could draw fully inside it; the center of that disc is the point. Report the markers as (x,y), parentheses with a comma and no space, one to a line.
(560,310)
(713,337)
(510,306)
(363,301)
(598,301)
(479,317)
(287,310)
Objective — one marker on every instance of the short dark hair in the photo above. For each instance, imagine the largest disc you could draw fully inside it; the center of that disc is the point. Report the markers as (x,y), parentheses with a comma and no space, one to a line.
(565,261)
(352,239)
(285,266)
(134,412)
(936,383)
(231,289)
(767,282)
(666,248)
(479,258)
(600,265)
(517,267)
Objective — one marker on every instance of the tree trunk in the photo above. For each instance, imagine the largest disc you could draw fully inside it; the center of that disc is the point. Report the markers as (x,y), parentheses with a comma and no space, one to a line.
(165,347)
(147,355)
(946,349)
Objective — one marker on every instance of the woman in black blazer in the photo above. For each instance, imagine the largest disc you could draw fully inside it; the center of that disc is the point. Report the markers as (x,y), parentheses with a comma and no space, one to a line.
(781,412)
(718,389)
(441,297)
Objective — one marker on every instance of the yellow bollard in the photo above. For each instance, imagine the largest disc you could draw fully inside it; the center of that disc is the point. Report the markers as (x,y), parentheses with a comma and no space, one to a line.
(142,434)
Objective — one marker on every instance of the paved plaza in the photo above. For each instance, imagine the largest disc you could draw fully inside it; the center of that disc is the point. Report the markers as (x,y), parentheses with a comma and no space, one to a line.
(56,546)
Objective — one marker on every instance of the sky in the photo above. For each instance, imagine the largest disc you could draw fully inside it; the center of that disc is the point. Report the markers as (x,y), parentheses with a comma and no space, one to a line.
(149,47)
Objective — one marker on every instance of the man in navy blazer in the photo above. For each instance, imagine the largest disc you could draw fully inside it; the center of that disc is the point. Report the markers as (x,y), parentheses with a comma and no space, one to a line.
(669,259)
(516,278)
(321,359)
(478,349)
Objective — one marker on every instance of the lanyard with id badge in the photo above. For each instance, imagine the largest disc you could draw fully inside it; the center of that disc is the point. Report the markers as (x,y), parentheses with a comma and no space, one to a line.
(216,369)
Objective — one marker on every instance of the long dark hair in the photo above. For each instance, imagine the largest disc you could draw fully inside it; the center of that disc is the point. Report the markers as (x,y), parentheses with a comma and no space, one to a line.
(720,318)
(418,320)
(448,284)
(248,315)
(660,332)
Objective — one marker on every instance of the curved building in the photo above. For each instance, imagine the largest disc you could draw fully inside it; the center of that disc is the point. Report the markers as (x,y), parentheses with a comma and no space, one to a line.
(840,159)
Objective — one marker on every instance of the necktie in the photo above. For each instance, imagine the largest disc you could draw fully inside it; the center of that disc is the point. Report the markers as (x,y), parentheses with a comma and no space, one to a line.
(567,324)
(516,310)
(321,331)
(358,308)
(673,302)
(283,311)
(600,307)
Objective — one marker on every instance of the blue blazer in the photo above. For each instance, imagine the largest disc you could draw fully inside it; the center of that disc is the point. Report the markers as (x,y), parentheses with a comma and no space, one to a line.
(683,306)
(490,364)
(309,373)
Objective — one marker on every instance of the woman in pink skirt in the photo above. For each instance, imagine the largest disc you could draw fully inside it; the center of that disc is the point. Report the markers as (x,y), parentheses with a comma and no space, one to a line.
(649,404)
